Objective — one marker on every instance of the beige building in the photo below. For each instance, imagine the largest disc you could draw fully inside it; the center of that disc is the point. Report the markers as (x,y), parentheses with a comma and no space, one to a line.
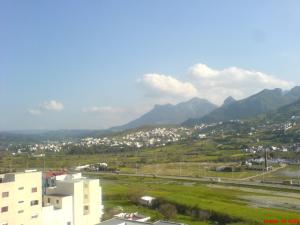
(21,198)
(73,200)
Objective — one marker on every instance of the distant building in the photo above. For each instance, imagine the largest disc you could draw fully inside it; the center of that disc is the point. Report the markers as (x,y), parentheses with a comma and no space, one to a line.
(147,200)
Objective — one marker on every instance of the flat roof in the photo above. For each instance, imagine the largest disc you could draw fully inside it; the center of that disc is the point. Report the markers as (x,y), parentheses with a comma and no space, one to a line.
(118,221)
(57,195)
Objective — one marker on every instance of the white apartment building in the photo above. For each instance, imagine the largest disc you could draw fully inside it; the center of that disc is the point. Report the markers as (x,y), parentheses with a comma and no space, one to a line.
(21,198)
(74,200)
(75,197)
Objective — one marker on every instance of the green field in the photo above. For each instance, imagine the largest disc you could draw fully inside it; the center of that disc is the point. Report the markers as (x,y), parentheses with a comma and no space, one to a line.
(232,205)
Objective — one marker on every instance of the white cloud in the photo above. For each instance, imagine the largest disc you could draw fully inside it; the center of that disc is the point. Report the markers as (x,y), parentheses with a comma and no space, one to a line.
(160,85)
(108,116)
(34,112)
(52,105)
(216,85)
(103,109)
(212,84)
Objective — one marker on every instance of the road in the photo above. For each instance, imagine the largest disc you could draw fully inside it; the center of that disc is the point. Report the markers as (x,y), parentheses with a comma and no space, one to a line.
(225,181)
(265,173)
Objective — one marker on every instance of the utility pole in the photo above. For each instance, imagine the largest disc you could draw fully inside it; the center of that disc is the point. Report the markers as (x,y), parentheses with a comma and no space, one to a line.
(136,164)
(180,169)
(44,160)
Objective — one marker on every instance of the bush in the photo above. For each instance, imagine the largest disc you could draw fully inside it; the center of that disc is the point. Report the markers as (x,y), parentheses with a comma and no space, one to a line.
(169,211)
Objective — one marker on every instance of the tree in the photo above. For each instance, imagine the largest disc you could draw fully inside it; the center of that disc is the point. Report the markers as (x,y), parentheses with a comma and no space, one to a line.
(169,211)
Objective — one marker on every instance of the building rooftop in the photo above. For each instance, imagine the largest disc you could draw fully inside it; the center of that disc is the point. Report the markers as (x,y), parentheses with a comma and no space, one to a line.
(160,222)
(118,221)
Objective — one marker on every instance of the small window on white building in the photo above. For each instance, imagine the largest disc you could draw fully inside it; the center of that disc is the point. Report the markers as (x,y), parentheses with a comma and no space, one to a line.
(34,202)
(20,201)
(34,216)
(20,211)
(4,209)
(21,188)
(34,189)
(85,210)
(5,194)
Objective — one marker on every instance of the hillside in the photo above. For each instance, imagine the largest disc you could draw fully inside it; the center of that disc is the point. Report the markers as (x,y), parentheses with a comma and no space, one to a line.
(285,113)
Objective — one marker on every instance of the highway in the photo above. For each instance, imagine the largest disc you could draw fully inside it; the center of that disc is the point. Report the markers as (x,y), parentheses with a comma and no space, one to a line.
(221,181)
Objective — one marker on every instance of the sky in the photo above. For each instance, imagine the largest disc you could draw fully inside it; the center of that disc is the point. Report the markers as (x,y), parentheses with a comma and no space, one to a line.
(93,64)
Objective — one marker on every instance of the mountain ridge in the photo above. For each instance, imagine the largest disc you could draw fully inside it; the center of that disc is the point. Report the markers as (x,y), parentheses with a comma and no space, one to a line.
(264,101)
(169,114)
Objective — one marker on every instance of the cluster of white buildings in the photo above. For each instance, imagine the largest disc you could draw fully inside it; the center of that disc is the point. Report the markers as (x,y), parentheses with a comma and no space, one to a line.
(145,138)
(148,138)
(287,148)
(70,199)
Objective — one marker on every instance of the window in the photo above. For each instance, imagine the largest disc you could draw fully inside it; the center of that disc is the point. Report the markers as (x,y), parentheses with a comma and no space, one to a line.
(57,201)
(21,188)
(34,216)
(34,202)
(20,201)
(85,210)
(69,223)
(48,200)
(20,211)
(34,189)
(5,194)
(4,209)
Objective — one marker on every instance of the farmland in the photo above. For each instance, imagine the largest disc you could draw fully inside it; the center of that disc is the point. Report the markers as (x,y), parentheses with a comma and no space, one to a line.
(230,205)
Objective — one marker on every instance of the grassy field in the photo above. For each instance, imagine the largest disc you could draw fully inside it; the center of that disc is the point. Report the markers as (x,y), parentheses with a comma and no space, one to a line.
(199,151)
(233,205)
(291,172)
(191,169)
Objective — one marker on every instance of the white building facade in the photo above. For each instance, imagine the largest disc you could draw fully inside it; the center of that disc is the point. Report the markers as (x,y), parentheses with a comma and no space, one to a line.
(21,198)
(74,200)
(74,196)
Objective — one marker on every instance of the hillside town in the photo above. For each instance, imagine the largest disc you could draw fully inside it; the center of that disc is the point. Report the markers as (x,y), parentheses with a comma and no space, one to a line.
(155,137)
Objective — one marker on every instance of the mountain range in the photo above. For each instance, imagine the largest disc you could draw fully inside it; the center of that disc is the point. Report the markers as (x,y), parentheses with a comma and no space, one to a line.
(196,110)
(171,114)
(262,102)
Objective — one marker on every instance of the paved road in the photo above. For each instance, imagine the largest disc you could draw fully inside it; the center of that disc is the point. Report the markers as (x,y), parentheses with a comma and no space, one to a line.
(225,181)
(265,173)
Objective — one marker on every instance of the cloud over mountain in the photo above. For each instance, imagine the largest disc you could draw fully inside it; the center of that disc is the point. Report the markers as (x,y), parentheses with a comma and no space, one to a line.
(157,85)
(209,83)
(216,85)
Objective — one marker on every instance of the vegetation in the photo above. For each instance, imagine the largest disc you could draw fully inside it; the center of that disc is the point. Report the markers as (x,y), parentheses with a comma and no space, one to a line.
(194,203)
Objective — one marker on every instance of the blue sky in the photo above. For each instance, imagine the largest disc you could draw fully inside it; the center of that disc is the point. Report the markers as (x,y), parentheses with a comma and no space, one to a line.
(95,64)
